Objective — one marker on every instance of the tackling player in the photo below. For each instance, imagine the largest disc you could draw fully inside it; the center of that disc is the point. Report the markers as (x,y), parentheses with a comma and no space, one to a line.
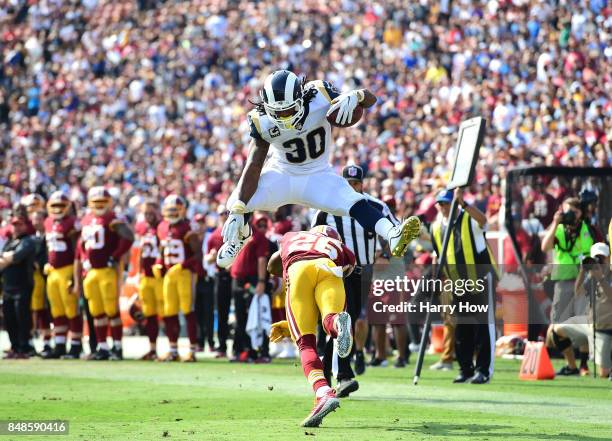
(180,253)
(61,233)
(149,287)
(292,119)
(313,264)
(105,239)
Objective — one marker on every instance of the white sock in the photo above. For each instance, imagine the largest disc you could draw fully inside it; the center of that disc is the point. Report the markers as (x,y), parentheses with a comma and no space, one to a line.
(103,346)
(322,391)
(383,227)
(60,339)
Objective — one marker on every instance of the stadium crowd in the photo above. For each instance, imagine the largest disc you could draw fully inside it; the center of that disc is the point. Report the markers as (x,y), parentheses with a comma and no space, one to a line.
(149,98)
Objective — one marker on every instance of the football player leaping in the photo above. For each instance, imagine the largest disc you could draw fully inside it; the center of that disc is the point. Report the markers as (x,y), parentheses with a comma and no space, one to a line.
(313,264)
(292,118)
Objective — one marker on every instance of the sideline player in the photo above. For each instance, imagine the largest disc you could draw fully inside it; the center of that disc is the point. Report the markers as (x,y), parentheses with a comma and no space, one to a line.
(105,238)
(292,118)
(313,264)
(180,254)
(149,286)
(61,233)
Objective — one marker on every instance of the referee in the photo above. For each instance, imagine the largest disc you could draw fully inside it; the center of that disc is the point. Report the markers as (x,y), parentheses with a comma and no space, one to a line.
(363,243)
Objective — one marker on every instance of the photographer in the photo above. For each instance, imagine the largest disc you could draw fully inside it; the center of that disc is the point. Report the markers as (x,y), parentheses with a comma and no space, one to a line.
(595,283)
(570,239)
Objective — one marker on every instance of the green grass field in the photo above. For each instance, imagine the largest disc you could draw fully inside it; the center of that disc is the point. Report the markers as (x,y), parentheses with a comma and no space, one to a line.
(216,400)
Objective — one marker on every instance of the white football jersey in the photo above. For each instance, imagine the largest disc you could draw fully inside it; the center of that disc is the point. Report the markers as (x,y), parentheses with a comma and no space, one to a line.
(307,148)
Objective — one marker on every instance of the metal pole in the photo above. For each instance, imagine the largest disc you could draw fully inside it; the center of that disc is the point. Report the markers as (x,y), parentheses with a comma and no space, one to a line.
(440,264)
(593,308)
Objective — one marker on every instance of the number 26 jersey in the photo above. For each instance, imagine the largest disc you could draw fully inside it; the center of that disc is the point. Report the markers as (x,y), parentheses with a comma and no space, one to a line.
(303,245)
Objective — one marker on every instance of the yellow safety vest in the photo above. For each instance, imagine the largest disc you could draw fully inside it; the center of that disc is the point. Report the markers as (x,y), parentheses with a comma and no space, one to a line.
(462,260)
(567,257)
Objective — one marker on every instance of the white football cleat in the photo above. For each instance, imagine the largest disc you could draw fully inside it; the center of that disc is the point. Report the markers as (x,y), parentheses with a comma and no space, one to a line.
(230,250)
(401,235)
(345,336)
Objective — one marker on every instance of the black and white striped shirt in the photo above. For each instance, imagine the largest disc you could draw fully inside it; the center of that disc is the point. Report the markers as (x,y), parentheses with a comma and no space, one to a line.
(361,242)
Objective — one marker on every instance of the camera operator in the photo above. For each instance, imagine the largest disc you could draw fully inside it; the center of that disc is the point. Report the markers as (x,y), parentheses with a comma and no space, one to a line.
(17,270)
(570,239)
(595,283)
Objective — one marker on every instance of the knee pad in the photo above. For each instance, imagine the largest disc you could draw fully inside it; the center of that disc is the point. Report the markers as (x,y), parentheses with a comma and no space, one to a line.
(561,343)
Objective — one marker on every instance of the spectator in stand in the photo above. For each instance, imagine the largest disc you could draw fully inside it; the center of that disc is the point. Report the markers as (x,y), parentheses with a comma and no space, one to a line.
(588,206)
(152,96)
(524,242)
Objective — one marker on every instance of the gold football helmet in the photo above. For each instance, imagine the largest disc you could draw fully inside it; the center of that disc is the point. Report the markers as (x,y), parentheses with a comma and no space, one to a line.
(174,209)
(58,205)
(99,200)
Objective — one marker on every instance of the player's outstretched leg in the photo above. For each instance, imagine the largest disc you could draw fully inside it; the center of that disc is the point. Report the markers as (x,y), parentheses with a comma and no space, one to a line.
(398,236)
(325,396)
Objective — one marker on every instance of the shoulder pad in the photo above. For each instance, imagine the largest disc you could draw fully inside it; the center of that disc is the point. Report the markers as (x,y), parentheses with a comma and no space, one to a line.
(254,124)
(326,89)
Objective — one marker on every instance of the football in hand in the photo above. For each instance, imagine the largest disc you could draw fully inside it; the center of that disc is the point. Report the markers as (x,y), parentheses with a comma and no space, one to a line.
(357,114)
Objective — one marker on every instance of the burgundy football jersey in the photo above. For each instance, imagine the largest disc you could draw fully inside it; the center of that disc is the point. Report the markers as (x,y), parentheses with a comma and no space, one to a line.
(173,239)
(60,245)
(303,245)
(99,240)
(149,246)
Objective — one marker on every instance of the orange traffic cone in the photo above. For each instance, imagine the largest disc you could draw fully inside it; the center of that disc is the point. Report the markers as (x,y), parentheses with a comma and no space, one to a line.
(536,363)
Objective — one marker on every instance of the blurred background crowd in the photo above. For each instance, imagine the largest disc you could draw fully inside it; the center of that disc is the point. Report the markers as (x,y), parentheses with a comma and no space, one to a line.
(150,97)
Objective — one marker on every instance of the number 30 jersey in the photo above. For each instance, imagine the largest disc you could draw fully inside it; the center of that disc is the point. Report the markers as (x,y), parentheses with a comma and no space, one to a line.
(174,240)
(303,245)
(99,239)
(60,245)
(307,148)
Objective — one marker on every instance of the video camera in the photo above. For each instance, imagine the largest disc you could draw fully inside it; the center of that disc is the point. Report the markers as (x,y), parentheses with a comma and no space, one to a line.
(589,261)
(568,217)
